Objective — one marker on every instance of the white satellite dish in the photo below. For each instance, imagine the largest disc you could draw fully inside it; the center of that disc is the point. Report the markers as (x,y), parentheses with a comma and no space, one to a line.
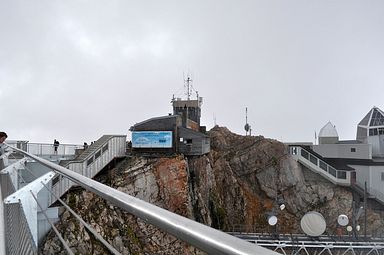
(272,220)
(313,224)
(343,220)
(349,228)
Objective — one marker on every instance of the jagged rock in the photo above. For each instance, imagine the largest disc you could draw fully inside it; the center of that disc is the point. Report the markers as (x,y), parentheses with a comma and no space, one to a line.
(235,186)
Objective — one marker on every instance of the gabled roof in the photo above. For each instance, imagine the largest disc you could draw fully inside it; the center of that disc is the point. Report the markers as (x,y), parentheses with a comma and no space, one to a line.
(374,118)
(328,130)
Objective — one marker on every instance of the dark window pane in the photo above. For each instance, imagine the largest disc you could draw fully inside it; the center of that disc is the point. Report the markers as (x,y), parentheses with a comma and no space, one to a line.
(313,159)
(341,174)
(332,171)
(89,161)
(323,165)
(305,154)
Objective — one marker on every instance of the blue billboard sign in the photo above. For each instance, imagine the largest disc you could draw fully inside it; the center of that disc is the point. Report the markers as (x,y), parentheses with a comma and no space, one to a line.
(152,139)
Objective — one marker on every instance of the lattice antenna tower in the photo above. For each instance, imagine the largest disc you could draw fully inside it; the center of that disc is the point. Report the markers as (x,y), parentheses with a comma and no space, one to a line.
(189,88)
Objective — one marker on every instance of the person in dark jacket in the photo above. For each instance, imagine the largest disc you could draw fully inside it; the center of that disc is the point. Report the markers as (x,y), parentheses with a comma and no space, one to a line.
(56,145)
(3,136)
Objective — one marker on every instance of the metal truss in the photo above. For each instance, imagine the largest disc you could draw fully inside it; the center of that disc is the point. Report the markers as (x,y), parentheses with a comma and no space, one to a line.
(302,244)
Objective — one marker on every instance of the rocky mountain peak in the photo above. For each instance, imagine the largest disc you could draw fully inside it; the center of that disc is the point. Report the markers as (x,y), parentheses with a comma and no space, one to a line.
(241,181)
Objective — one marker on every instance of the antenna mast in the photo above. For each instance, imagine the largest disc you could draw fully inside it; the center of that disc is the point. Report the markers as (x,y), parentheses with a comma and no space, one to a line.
(189,87)
(247,127)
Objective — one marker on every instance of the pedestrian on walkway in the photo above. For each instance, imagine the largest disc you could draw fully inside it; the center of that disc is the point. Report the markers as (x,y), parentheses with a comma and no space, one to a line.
(55,145)
(3,136)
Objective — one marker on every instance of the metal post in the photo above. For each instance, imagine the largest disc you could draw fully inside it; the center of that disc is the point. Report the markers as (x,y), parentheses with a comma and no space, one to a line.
(353,219)
(365,210)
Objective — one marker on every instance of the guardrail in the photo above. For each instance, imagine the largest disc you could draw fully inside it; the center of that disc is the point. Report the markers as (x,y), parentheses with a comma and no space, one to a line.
(196,234)
(339,177)
(91,161)
(43,149)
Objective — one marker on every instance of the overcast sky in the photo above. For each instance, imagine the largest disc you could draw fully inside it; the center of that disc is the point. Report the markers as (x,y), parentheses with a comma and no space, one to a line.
(75,70)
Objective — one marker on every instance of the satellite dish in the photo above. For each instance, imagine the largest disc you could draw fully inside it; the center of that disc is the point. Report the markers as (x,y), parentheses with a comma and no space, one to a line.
(349,228)
(313,223)
(343,220)
(272,220)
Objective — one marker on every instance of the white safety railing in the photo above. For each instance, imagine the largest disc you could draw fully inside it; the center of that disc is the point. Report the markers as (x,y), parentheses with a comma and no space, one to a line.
(46,149)
(316,164)
(91,162)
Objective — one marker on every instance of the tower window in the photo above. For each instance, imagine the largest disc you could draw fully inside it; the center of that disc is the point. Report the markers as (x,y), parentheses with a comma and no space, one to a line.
(372,131)
(353,149)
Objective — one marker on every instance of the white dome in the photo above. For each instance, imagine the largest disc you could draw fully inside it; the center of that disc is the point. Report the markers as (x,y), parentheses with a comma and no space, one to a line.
(328,130)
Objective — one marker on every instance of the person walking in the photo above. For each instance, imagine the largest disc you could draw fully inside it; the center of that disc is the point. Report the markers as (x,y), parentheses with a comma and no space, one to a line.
(3,136)
(55,146)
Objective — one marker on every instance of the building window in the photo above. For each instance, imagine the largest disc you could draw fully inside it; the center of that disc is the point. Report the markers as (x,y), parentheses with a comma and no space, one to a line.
(353,149)
(98,154)
(90,161)
(382,176)
(304,154)
(372,131)
(341,174)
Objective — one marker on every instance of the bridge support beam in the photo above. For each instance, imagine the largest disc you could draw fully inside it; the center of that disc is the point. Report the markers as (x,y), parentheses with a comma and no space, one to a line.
(29,205)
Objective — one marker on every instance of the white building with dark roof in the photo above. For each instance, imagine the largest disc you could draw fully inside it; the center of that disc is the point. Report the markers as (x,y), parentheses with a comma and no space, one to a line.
(349,162)
(365,154)
(370,130)
(328,134)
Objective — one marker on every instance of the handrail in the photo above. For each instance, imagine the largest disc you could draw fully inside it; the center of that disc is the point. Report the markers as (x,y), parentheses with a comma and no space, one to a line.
(198,235)
(46,148)
(327,166)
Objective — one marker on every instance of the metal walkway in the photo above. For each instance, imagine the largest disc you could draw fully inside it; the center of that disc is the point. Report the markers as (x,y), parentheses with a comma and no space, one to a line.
(302,244)
(319,166)
(316,164)
(24,199)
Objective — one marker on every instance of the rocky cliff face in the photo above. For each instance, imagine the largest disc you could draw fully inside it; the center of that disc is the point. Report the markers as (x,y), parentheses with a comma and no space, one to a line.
(235,186)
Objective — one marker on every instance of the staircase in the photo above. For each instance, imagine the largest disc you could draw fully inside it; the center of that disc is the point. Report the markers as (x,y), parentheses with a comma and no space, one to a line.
(90,162)
(316,163)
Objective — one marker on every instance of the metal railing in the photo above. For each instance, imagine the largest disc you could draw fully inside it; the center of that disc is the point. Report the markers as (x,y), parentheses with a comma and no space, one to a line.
(196,234)
(91,161)
(43,149)
(19,238)
(321,245)
(340,177)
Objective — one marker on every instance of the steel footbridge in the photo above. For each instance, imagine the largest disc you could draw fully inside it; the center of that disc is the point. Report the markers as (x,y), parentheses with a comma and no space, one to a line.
(36,176)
